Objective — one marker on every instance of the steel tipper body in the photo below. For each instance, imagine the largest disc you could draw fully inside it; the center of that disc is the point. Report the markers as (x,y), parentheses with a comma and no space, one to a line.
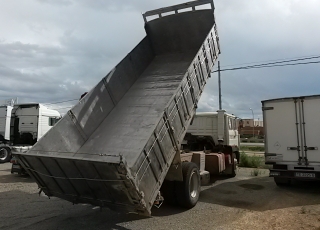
(117,145)
(292,132)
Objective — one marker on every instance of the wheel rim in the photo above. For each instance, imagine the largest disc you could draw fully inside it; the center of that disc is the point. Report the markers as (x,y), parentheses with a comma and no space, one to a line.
(194,184)
(3,154)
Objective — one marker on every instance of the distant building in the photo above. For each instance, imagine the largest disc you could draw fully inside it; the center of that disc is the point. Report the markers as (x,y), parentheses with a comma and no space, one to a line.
(249,123)
(246,127)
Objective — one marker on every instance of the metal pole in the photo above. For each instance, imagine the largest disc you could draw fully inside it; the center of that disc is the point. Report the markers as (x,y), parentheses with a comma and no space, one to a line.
(253,123)
(219,82)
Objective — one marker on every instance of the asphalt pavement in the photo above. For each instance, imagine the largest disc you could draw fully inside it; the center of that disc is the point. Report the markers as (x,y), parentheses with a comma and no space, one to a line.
(243,202)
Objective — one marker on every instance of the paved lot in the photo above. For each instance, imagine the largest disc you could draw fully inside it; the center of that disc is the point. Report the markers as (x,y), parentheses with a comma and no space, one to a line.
(244,202)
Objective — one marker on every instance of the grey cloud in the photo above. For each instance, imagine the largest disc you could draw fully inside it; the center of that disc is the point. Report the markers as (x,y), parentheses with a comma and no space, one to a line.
(115,6)
(128,5)
(57,55)
(57,2)
(30,55)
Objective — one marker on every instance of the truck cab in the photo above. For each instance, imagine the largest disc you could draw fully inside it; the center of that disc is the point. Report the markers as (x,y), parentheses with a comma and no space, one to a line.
(29,122)
(210,129)
(22,125)
(5,118)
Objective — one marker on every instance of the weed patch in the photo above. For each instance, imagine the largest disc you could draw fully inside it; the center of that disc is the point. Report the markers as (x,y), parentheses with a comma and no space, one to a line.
(250,161)
(255,172)
(252,148)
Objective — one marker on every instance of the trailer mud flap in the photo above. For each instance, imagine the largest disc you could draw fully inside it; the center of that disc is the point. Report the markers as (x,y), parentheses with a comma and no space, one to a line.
(175,170)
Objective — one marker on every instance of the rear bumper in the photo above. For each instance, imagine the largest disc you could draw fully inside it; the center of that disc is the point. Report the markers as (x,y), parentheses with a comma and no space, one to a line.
(295,174)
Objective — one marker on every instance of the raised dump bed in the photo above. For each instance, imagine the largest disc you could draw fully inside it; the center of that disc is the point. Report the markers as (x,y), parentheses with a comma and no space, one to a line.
(115,147)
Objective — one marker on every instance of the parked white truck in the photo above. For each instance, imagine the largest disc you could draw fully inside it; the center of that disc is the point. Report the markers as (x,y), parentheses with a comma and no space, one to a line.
(210,131)
(22,125)
(292,132)
(5,118)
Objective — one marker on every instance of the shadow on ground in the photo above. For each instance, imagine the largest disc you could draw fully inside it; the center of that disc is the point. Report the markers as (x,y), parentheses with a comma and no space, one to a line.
(20,210)
(261,194)
(167,210)
(14,178)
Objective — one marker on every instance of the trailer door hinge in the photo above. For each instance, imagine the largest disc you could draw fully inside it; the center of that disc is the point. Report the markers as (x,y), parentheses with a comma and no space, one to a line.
(294,148)
(312,148)
(267,108)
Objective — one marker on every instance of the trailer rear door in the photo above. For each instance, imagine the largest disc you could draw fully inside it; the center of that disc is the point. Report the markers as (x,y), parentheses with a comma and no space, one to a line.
(310,114)
(292,129)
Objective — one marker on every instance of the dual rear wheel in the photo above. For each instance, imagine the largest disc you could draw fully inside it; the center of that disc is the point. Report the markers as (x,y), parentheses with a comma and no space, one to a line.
(183,193)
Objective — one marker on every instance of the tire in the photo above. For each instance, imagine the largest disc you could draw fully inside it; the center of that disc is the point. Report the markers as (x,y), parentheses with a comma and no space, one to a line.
(234,166)
(5,154)
(168,192)
(187,191)
(282,181)
(237,156)
(234,171)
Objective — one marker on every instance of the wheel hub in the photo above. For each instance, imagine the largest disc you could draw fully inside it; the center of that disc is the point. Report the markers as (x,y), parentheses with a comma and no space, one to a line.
(194,185)
(3,154)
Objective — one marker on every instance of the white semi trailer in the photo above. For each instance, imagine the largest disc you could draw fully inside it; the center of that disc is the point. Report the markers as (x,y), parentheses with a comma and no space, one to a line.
(292,131)
(22,125)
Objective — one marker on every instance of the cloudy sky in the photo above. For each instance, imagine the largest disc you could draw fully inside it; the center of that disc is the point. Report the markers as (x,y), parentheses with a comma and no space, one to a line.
(54,50)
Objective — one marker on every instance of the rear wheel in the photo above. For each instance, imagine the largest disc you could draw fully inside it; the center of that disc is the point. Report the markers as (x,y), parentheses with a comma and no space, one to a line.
(237,156)
(234,171)
(188,190)
(282,181)
(234,165)
(5,154)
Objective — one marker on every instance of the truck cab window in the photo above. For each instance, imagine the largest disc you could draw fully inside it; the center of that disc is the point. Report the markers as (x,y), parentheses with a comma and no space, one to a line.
(230,123)
(53,121)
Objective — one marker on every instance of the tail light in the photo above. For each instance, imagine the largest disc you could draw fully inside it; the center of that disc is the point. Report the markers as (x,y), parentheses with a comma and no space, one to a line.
(13,161)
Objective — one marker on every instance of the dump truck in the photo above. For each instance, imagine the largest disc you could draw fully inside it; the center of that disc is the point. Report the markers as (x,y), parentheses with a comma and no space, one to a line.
(121,142)
(21,125)
(292,138)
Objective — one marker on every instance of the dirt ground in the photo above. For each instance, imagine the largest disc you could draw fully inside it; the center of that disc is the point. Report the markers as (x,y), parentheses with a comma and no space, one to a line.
(244,202)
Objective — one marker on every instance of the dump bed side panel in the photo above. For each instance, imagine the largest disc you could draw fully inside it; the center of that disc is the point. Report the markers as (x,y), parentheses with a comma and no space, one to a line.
(74,129)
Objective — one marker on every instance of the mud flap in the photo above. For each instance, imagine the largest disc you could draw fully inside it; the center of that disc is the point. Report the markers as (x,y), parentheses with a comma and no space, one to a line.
(175,170)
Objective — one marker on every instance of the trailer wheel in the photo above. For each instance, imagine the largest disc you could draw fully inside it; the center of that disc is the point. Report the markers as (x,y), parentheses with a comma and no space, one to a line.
(5,154)
(282,181)
(188,190)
